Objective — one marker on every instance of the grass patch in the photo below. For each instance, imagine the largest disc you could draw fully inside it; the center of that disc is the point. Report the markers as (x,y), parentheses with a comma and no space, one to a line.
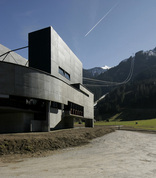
(138,124)
(131,114)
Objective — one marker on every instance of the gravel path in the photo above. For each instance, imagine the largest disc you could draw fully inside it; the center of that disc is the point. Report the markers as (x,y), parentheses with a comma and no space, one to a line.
(121,154)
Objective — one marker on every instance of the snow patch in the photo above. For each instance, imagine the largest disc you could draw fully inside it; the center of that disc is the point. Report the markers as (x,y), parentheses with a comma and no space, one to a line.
(105,67)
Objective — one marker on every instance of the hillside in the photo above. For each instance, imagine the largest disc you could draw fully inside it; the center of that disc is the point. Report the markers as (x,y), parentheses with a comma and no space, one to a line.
(143,63)
(133,101)
(140,67)
(94,72)
(133,92)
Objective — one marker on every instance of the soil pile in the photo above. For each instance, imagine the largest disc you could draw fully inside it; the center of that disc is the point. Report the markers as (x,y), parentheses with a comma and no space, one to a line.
(37,143)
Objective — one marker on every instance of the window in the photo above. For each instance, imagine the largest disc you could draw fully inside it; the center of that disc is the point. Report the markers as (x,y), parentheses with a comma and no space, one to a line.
(55,105)
(61,71)
(64,73)
(74,109)
(67,76)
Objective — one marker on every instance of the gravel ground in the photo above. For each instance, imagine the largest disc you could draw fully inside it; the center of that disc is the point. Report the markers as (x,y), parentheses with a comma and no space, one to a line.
(121,154)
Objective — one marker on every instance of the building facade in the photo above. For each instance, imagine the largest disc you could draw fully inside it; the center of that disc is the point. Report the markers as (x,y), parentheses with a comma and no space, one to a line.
(48,93)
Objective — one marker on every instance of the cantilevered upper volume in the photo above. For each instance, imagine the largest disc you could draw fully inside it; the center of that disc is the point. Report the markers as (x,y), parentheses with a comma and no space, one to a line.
(49,53)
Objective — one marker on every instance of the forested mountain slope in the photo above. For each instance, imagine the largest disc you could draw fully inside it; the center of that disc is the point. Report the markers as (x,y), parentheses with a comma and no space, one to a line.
(133,90)
(140,67)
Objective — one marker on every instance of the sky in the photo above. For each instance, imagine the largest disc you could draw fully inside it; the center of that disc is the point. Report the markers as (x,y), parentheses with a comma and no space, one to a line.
(99,32)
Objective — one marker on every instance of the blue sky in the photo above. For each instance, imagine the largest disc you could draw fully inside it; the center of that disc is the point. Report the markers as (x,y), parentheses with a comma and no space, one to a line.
(129,26)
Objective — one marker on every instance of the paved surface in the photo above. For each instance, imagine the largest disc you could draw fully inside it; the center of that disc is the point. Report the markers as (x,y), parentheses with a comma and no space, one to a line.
(122,154)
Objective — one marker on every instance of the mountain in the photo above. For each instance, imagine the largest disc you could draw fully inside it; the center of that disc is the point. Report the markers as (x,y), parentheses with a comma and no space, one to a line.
(140,67)
(133,101)
(94,72)
(143,63)
(106,67)
(130,88)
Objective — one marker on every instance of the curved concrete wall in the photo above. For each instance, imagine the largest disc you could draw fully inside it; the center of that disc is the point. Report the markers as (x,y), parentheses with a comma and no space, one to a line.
(28,82)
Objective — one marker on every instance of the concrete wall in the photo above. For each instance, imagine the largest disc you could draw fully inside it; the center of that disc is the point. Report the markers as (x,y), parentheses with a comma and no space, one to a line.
(62,55)
(23,81)
(40,50)
(15,122)
(56,119)
(48,52)
(36,126)
(12,57)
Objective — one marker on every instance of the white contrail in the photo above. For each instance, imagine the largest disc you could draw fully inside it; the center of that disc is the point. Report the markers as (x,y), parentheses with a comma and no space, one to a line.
(102,18)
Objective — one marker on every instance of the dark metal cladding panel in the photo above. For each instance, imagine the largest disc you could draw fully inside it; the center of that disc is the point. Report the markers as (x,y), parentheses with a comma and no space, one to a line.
(40,49)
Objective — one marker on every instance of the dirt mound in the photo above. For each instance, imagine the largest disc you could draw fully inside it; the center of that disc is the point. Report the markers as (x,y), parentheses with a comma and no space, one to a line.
(34,143)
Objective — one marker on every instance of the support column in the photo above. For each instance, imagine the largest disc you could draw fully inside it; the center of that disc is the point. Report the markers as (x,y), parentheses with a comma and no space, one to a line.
(89,123)
(46,127)
(69,122)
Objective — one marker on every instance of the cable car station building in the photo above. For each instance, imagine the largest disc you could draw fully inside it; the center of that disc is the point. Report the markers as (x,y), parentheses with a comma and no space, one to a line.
(47,93)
